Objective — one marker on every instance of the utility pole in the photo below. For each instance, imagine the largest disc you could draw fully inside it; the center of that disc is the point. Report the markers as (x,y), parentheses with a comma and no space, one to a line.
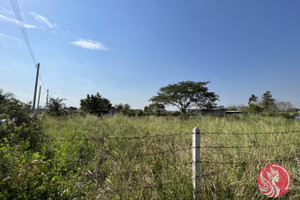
(47,99)
(35,88)
(38,105)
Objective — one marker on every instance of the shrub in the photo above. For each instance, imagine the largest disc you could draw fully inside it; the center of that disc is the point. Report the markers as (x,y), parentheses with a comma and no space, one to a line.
(17,122)
(56,107)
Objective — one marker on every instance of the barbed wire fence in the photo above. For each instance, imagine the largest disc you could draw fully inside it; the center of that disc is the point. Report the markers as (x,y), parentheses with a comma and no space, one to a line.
(196,161)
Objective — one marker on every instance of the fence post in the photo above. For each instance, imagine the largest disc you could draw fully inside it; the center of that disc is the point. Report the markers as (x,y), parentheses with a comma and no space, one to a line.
(196,162)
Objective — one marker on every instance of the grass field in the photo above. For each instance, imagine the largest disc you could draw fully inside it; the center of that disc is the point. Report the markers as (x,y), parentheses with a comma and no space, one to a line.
(159,167)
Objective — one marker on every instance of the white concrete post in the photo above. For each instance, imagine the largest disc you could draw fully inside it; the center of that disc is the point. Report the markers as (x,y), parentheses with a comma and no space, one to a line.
(196,162)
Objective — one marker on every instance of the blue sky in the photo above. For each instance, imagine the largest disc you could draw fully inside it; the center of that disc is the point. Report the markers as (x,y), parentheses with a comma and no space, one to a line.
(127,50)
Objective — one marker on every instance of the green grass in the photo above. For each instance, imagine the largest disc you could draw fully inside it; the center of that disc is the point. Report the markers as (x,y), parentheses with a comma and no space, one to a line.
(117,169)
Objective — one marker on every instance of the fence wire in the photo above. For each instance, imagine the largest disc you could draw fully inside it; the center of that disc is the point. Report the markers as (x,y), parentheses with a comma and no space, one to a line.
(118,138)
(174,151)
(260,133)
(245,147)
(286,159)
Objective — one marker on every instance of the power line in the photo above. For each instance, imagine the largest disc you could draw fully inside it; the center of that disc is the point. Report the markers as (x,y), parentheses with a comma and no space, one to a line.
(20,22)
(21,25)
(42,82)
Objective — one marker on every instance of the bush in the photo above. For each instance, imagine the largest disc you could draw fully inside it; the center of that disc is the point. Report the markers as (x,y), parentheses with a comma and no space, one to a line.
(27,170)
(95,104)
(56,107)
(17,122)
(25,175)
(288,115)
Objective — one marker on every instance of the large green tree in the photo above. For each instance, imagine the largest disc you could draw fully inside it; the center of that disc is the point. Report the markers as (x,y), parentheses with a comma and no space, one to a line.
(95,104)
(186,94)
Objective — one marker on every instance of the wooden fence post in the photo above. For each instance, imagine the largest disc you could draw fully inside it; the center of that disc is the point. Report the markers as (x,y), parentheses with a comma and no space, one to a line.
(196,162)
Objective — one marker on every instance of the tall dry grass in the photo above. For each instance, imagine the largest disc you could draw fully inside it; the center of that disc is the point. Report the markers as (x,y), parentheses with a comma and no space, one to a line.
(159,167)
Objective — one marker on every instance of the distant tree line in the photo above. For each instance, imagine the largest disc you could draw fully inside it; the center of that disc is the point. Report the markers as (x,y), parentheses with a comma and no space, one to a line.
(266,104)
(181,95)
(185,96)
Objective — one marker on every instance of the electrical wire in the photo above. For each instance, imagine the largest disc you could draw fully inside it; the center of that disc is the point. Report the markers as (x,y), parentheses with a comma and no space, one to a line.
(21,25)
(42,82)
(20,22)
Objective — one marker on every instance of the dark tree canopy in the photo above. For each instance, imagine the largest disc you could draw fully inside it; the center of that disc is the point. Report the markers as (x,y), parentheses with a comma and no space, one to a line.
(95,104)
(253,99)
(268,102)
(13,109)
(56,107)
(186,94)
(155,109)
(254,104)
(125,109)
(265,104)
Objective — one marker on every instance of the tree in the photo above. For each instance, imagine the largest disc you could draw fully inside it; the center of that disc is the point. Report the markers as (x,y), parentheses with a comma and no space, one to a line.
(125,109)
(155,109)
(268,103)
(254,104)
(283,106)
(253,99)
(95,104)
(186,94)
(56,106)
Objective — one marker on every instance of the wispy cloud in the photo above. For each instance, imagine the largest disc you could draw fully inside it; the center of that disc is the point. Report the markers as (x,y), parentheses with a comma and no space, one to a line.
(4,10)
(43,20)
(13,20)
(89,44)
(4,37)
(9,37)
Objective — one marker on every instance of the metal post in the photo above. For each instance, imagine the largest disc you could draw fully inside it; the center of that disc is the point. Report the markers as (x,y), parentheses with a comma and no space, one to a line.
(196,162)
(35,88)
(38,105)
(47,99)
